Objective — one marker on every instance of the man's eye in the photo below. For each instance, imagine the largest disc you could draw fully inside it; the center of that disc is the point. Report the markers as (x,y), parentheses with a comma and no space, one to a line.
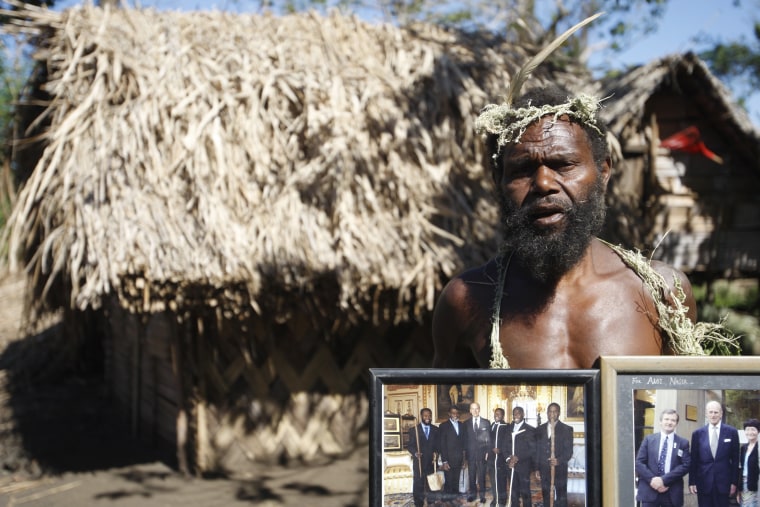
(519,171)
(561,166)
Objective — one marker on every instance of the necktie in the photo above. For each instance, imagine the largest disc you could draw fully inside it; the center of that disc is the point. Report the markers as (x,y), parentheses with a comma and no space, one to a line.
(714,440)
(663,454)
(475,423)
(427,431)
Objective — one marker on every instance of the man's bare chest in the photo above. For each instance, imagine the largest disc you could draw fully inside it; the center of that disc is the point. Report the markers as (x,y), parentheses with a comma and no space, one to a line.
(572,330)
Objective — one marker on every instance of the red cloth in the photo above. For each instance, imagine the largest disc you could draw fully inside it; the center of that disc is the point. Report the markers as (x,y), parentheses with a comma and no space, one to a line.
(689,140)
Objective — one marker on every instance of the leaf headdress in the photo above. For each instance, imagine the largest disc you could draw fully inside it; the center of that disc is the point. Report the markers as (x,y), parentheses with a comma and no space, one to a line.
(509,124)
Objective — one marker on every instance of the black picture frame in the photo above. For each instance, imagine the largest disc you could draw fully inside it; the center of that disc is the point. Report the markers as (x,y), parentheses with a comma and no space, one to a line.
(382,379)
(623,376)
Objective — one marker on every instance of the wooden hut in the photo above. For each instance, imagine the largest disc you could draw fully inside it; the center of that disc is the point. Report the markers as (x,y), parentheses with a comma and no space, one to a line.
(251,211)
(695,206)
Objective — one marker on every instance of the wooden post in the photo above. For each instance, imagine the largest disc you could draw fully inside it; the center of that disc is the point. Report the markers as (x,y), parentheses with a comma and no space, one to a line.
(181,417)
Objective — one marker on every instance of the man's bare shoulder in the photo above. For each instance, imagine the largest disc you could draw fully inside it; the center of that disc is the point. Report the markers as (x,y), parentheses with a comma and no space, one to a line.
(467,290)
(680,287)
(676,281)
(672,276)
(462,315)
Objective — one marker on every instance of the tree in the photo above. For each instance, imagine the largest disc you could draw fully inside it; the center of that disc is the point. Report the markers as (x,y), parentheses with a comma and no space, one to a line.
(12,77)
(514,19)
(737,62)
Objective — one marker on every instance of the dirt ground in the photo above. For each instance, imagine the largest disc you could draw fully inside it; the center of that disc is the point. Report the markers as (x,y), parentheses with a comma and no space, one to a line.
(61,446)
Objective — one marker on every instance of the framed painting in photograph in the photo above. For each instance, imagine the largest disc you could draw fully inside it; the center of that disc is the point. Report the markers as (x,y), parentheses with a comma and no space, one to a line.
(454,395)
(535,391)
(392,441)
(638,391)
(575,405)
(392,423)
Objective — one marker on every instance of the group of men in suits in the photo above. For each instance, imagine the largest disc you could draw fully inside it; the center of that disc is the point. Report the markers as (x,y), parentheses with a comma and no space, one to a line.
(506,453)
(712,462)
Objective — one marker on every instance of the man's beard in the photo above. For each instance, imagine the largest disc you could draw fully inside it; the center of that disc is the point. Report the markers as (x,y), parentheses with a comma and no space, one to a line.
(548,254)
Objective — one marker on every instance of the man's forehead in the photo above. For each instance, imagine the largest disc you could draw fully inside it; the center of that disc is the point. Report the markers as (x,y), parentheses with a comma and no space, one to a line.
(560,136)
(547,128)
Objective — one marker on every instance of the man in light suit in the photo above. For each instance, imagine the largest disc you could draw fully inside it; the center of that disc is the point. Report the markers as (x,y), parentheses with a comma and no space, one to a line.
(661,464)
(714,471)
(478,441)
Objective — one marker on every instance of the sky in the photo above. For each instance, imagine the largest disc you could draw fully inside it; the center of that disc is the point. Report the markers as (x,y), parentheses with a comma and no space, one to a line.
(682,25)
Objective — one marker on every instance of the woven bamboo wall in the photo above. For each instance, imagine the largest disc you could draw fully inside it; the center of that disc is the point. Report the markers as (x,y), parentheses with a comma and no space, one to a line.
(250,390)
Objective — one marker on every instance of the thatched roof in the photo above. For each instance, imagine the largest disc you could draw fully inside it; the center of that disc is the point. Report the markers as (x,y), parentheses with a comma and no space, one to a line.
(258,162)
(690,76)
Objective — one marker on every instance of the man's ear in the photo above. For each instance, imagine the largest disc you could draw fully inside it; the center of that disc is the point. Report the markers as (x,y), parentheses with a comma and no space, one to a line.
(606,171)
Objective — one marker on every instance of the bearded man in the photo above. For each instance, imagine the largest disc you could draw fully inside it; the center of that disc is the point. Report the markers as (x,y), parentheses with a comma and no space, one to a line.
(556,296)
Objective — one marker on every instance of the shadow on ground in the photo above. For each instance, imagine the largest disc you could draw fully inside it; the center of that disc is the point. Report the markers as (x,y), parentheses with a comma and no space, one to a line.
(61,441)
(57,414)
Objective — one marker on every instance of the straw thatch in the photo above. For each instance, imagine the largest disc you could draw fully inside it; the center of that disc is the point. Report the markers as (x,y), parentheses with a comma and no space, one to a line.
(257,208)
(231,160)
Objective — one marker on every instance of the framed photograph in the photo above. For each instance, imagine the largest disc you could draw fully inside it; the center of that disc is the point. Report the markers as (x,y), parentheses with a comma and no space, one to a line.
(637,389)
(392,471)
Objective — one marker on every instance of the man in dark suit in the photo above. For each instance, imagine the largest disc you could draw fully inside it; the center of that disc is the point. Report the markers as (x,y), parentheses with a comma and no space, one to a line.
(554,448)
(661,464)
(423,446)
(497,464)
(521,458)
(452,451)
(478,441)
(714,471)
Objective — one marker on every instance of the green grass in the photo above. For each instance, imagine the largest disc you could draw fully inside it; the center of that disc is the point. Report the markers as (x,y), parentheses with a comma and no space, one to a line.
(735,302)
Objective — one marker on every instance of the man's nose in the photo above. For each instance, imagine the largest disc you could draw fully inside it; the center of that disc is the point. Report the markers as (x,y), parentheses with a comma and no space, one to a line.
(544,180)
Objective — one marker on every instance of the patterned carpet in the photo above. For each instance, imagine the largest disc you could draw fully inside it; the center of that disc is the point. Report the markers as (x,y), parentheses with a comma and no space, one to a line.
(405,500)
(435,500)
